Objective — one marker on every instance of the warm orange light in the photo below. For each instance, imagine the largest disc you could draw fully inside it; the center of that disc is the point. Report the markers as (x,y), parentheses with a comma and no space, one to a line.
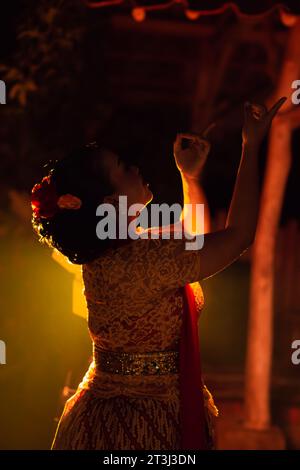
(78,299)
(192,15)
(138,14)
(287,19)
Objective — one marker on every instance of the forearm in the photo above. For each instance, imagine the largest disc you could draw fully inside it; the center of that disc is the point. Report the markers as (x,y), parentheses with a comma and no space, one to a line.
(193,194)
(244,206)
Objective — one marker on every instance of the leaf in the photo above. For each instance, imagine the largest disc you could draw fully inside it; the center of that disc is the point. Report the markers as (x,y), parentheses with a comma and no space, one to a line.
(13,74)
(31,86)
(65,43)
(49,16)
(14,91)
(19,93)
(50,73)
(22,97)
(29,34)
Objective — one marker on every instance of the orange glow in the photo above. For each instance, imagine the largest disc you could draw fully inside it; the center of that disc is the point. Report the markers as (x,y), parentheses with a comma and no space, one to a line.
(78,300)
(287,19)
(138,14)
(192,15)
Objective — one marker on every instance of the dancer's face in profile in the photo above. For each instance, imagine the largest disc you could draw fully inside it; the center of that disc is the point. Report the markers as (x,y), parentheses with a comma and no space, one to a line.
(126,179)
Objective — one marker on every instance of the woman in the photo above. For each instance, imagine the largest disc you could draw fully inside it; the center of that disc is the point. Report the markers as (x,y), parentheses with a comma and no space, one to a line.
(143,389)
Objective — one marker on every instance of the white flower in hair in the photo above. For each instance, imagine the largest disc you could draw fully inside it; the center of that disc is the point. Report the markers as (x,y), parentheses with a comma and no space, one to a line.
(69,201)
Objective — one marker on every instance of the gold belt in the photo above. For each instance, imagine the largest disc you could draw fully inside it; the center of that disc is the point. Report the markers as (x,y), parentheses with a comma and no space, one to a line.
(152,363)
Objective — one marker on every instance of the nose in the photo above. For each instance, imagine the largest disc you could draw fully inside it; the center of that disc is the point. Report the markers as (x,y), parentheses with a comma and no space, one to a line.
(135,169)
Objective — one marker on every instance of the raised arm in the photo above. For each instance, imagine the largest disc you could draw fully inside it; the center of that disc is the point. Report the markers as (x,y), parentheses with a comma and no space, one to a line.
(190,162)
(221,248)
(193,194)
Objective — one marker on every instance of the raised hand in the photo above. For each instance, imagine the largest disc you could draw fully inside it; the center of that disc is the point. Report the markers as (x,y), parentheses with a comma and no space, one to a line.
(258,120)
(190,160)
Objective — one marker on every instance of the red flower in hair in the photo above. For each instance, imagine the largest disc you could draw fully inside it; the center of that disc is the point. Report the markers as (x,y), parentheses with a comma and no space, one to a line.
(44,198)
(46,203)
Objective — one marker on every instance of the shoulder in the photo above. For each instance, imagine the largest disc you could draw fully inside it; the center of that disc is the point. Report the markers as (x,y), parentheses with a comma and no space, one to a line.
(126,251)
(155,246)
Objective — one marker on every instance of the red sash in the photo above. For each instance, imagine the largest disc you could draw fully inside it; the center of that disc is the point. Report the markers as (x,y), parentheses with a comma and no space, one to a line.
(192,415)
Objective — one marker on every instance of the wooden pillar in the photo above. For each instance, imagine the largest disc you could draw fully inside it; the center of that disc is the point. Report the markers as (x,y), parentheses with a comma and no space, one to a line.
(260,332)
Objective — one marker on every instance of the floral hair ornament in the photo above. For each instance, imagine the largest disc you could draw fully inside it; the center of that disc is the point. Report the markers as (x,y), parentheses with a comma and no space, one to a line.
(68,201)
(45,201)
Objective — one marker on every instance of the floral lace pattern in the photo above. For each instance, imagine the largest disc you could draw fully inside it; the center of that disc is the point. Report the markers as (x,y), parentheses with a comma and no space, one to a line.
(135,302)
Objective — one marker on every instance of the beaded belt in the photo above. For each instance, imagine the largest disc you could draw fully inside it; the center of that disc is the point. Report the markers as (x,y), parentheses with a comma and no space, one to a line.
(152,363)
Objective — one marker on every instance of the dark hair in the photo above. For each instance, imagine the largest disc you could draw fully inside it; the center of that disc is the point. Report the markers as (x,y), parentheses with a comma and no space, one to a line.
(73,232)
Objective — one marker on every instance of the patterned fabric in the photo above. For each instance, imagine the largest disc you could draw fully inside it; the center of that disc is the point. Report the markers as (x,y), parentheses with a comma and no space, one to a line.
(135,301)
